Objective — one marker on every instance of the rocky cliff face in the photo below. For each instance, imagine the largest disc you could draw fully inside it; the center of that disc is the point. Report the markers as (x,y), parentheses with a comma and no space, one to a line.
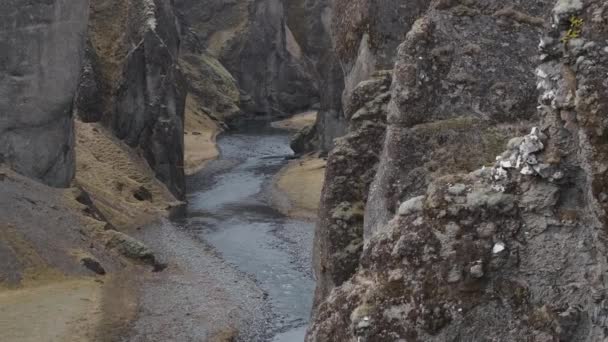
(254,43)
(132,83)
(513,251)
(41,46)
(349,173)
(348,41)
(447,112)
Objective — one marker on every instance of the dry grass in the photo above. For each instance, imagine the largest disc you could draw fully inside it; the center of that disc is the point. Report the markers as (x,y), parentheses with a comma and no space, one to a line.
(111,173)
(36,270)
(62,311)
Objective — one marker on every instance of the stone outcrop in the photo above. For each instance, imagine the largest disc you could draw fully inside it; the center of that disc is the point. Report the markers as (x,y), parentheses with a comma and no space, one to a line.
(41,44)
(310,23)
(455,97)
(253,42)
(132,83)
(351,167)
(515,250)
(348,41)
(441,118)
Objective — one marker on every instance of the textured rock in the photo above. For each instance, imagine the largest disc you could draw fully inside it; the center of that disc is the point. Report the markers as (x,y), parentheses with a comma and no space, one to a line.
(129,247)
(348,41)
(132,82)
(455,98)
(310,23)
(509,256)
(254,43)
(351,166)
(41,48)
(211,85)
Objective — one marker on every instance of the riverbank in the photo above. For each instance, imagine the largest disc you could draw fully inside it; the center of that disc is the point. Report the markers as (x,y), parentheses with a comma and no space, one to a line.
(198,297)
(297,122)
(297,187)
(213,291)
(200,138)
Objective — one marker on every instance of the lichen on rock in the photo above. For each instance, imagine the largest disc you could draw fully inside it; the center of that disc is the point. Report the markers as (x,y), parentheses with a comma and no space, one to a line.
(508,252)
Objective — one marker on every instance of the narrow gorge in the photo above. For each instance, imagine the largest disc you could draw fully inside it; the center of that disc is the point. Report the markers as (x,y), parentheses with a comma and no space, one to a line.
(303,170)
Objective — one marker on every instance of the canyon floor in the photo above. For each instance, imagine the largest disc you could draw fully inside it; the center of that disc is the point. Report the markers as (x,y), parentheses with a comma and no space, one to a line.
(238,258)
(237,265)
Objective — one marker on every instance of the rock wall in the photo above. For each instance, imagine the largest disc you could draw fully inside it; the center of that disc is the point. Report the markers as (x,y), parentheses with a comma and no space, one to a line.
(349,173)
(310,23)
(347,41)
(514,251)
(254,43)
(41,45)
(132,83)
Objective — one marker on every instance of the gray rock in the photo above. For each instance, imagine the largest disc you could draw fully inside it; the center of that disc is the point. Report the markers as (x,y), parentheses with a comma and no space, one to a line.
(41,45)
(255,42)
(129,247)
(457,189)
(413,205)
(93,265)
(477,270)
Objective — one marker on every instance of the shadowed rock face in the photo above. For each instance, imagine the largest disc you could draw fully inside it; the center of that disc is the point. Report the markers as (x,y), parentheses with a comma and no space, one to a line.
(132,83)
(41,44)
(253,41)
(349,173)
(514,251)
(310,23)
(347,41)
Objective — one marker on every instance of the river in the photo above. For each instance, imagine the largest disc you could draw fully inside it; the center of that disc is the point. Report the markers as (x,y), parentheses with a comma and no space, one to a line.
(230,218)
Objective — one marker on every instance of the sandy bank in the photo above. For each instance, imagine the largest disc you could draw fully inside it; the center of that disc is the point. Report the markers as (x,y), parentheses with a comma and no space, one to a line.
(297,122)
(298,187)
(200,132)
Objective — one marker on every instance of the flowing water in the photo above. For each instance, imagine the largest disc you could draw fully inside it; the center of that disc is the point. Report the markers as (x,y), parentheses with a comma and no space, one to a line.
(229,208)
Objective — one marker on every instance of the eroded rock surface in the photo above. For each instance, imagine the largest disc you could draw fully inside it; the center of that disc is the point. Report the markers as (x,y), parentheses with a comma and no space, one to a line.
(351,167)
(515,250)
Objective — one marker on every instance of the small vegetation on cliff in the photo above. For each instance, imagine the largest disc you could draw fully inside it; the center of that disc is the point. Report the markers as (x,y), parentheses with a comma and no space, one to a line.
(574,31)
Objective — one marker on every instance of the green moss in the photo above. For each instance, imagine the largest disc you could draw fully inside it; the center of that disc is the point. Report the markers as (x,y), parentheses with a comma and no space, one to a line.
(347,212)
(458,123)
(495,143)
(468,143)
(210,82)
(575,29)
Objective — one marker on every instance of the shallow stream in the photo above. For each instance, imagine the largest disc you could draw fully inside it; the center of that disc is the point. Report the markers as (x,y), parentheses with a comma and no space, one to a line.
(230,208)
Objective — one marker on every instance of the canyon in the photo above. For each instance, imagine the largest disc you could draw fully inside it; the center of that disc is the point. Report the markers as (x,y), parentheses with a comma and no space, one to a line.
(303,170)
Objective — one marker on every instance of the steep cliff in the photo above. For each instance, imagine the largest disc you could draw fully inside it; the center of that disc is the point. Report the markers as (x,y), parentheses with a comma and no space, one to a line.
(310,23)
(41,45)
(431,120)
(350,171)
(514,251)
(254,43)
(132,83)
(347,41)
